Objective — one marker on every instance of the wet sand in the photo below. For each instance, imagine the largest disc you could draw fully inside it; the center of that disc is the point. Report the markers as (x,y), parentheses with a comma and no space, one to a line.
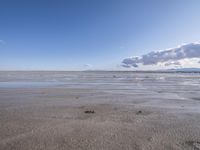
(99,111)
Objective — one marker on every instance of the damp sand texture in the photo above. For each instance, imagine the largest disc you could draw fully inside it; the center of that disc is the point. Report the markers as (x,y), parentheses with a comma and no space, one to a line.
(99,111)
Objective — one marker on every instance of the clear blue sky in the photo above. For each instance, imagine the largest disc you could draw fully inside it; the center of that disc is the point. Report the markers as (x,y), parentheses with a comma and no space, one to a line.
(67,34)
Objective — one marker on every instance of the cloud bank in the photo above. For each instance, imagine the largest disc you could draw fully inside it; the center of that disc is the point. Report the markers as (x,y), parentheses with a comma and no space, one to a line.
(175,63)
(191,50)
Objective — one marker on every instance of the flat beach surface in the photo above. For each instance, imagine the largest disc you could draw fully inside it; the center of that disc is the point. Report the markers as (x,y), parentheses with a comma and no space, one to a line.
(99,111)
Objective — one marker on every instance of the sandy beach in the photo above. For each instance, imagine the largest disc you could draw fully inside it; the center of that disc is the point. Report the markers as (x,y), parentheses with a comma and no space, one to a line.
(99,111)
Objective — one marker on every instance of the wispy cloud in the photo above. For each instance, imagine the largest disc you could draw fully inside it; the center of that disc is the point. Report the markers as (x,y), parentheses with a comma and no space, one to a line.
(2,42)
(87,65)
(191,50)
(126,66)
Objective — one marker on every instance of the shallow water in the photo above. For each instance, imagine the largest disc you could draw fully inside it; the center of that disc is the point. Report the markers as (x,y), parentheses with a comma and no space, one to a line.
(106,80)
(28,84)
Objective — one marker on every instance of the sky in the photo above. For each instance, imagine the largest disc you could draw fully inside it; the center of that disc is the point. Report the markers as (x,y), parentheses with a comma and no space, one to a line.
(95,34)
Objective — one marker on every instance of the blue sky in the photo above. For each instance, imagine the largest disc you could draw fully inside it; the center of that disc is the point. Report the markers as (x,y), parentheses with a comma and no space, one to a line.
(68,34)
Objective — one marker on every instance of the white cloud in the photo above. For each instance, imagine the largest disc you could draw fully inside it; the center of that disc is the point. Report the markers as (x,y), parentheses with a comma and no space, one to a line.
(169,56)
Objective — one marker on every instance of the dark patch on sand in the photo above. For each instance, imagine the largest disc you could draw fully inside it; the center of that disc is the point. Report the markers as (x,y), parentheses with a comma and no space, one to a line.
(196,98)
(114,76)
(139,112)
(89,111)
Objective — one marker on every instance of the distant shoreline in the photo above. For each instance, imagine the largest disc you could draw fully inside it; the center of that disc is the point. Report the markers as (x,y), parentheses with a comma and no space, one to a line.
(133,71)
